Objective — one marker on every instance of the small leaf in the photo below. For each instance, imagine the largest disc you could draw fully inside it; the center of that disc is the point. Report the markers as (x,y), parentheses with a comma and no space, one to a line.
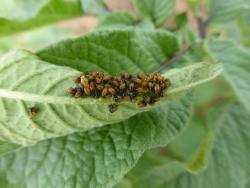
(236,62)
(157,10)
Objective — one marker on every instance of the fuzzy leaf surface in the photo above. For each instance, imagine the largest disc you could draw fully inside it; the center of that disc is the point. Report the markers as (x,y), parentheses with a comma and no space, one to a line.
(95,159)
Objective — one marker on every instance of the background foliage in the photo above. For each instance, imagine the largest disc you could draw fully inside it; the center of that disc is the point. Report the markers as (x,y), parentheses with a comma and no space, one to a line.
(197,137)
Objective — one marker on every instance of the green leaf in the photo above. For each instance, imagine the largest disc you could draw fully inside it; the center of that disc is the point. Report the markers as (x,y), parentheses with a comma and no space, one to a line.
(20,9)
(191,149)
(230,157)
(117,20)
(228,163)
(152,170)
(34,39)
(98,158)
(157,10)
(146,24)
(97,7)
(123,20)
(193,146)
(236,62)
(223,11)
(26,81)
(114,51)
(6,147)
(53,11)
(242,30)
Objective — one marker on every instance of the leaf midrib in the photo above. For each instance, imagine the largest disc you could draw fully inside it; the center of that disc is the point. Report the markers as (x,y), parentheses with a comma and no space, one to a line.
(5,93)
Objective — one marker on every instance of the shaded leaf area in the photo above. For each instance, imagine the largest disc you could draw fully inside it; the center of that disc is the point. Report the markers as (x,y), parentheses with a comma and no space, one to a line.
(236,66)
(226,10)
(152,170)
(6,147)
(98,158)
(239,31)
(157,10)
(53,11)
(191,149)
(244,25)
(114,51)
(193,146)
(228,162)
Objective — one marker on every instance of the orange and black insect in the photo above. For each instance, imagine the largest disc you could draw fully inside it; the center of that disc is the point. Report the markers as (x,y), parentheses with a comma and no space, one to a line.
(117,98)
(113,108)
(33,111)
(79,92)
(77,80)
(72,91)
(144,88)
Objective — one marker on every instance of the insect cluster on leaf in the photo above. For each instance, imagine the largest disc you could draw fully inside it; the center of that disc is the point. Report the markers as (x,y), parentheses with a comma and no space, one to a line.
(145,88)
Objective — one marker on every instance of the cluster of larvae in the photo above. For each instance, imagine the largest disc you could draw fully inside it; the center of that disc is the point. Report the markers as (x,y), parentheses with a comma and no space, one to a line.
(144,89)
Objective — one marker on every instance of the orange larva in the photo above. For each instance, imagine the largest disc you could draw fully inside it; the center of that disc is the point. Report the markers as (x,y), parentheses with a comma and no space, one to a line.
(113,108)
(104,92)
(33,112)
(87,91)
(111,91)
(125,76)
(122,86)
(144,88)
(91,86)
(77,80)
(79,92)
(98,80)
(117,98)
(157,88)
(71,91)
(85,82)
(140,90)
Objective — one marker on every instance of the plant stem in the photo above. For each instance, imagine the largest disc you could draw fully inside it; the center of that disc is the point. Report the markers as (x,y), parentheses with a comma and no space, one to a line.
(177,56)
(202,25)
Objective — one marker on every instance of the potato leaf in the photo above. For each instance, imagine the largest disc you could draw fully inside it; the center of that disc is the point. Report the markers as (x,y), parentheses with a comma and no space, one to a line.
(26,82)
(157,10)
(236,62)
(98,158)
